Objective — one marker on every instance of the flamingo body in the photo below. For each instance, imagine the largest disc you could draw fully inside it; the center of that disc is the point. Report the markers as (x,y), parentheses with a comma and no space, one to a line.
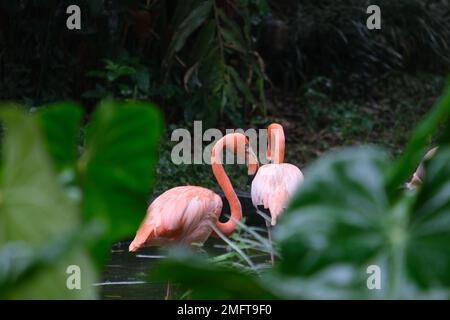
(179,215)
(273,185)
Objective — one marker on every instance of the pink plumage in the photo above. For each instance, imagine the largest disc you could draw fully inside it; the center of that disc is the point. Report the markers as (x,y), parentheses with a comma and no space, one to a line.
(180,214)
(273,185)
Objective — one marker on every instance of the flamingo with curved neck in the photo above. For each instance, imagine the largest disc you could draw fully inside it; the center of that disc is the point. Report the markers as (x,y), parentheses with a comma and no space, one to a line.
(189,214)
(181,214)
(239,145)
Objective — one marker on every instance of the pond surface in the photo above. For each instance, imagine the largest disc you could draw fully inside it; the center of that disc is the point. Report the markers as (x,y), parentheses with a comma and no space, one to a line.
(125,274)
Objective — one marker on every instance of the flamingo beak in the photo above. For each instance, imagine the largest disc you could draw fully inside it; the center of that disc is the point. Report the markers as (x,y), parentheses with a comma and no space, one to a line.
(252,161)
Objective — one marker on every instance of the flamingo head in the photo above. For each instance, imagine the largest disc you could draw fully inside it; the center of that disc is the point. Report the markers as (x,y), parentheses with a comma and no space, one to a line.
(238,144)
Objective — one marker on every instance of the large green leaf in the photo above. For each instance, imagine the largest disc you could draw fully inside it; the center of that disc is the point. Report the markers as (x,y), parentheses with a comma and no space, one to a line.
(342,198)
(428,254)
(118,166)
(34,209)
(61,128)
(20,262)
(341,222)
(336,223)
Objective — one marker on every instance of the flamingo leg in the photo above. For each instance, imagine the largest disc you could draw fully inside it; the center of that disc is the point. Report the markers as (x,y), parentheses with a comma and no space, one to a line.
(168,292)
(264,216)
(269,232)
(269,236)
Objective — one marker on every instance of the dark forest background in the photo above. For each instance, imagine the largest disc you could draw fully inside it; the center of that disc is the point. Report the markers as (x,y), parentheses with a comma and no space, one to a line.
(311,65)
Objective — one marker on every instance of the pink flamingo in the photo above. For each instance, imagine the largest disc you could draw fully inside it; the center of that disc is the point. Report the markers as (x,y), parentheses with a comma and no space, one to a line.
(276,182)
(189,214)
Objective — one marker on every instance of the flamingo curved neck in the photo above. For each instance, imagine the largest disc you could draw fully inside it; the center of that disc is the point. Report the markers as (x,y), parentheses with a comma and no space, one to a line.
(235,206)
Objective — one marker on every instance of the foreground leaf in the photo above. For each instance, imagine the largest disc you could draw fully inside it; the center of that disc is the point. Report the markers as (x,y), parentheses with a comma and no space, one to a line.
(20,262)
(34,209)
(61,129)
(428,255)
(118,167)
(341,223)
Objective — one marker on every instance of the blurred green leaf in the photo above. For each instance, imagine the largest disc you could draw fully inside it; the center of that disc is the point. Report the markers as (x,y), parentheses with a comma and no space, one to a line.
(31,197)
(428,254)
(61,128)
(337,222)
(342,200)
(118,167)
(341,222)
(20,262)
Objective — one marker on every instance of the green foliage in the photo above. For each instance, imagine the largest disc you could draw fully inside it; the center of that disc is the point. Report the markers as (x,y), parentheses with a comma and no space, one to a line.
(342,221)
(44,228)
(219,62)
(20,262)
(331,38)
(31,198)
(253,247)
(121,152)
(62,139)
(351,213)
(386,117)
(203,51)
(125,79)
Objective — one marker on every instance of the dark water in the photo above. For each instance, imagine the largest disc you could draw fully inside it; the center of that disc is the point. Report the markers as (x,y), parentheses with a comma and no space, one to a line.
(125,274)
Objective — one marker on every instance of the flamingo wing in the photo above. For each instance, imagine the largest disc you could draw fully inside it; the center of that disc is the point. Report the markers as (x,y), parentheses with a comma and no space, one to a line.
(273,185)
(180,214)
